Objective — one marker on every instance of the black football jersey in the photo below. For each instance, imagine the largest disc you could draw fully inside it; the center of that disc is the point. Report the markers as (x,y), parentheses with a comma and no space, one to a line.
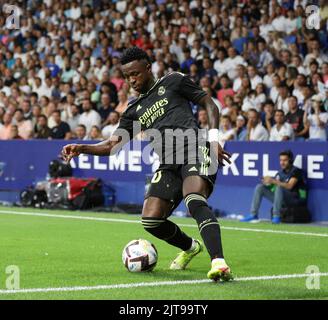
(165,106)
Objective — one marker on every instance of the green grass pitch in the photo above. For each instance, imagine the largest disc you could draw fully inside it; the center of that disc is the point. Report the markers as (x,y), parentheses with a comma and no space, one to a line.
(58,252)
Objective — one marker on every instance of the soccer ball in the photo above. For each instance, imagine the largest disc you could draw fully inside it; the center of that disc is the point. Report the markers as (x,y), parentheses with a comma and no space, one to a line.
(139,255)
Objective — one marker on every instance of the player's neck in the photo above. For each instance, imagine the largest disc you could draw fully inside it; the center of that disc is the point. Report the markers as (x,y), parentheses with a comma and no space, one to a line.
(149,85)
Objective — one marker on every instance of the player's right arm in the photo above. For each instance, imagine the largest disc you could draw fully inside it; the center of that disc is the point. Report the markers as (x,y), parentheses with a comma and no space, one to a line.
(104,148)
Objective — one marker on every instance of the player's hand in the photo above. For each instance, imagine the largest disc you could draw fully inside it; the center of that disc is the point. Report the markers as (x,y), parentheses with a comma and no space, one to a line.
(71,150)
(222,155)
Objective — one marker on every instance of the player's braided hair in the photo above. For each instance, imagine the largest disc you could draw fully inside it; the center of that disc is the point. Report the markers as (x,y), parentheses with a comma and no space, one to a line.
(132,54)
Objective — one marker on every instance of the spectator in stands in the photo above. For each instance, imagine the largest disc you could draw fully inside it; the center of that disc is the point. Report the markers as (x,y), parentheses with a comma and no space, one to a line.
(297,88)
(290,22)
(26,108)
(297,62)
(282,72)
(171,63)
(89,117)
(282,130)
(209,72)
(61,128)
(80,132)
(267,116)
(283,189)
(77,58)
(227,107)
(265,57)
(5,129)
(220,62)
(36,112)
(113,122)
(254,78)
(122,101)
(240,129)
(72,116)
(117,79)
(294,82)
(307,93)
(25,128)
(260,95)
(49,110)
(194,74)
(268,76)
(249,102)
(226,132)
(251,53)
(225,90)
(232,62)
(95,134)
(14,134)
(295,118)
(274,91)
(100,68)
(203,119)
(314,68)
(282,99)
(105,107)
(241,73)
(188,61)
(317,120)
(239,39)
(41,129)
(245,87)
(255,129)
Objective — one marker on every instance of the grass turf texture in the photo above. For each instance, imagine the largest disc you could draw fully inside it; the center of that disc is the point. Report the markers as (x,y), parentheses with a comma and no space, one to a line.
(58,252)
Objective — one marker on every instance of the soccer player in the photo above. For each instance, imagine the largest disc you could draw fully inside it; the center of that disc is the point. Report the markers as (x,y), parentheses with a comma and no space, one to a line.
(164,105)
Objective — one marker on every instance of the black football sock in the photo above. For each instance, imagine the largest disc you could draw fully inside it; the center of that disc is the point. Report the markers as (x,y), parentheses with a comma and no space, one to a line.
(168,231)
(208,225)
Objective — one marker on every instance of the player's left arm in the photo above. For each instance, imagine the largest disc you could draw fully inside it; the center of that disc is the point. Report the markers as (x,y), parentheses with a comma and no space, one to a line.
(192,92)
(213,132)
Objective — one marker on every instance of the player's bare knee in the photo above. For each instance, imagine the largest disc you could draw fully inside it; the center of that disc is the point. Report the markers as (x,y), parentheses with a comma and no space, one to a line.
(195,184)
(151,208)
(150,213)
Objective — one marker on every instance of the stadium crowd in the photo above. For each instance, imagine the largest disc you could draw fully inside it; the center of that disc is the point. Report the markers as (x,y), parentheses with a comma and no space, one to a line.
(264,65)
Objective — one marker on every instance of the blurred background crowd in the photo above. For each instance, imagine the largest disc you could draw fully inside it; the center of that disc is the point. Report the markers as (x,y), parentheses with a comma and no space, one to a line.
(263,62)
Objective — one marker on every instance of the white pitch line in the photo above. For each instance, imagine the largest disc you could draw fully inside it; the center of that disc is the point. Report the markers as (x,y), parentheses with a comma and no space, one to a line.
(66,216)
(158,283)
(314,234)
(50,215)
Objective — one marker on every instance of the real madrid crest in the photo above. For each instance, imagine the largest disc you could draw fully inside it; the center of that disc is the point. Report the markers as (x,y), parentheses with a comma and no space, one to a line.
(161,90)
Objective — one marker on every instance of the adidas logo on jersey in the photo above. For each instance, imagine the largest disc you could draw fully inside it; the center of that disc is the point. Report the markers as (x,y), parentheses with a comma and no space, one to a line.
(192,169)
(139,107)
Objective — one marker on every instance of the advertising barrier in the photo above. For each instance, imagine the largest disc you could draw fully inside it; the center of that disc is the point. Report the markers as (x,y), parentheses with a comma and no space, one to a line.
(23,163)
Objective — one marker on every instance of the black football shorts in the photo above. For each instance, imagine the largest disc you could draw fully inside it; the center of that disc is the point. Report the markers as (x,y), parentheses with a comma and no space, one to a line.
(168,178)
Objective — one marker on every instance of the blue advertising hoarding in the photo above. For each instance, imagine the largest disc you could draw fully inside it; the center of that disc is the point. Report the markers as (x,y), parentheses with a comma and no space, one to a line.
(24,162)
